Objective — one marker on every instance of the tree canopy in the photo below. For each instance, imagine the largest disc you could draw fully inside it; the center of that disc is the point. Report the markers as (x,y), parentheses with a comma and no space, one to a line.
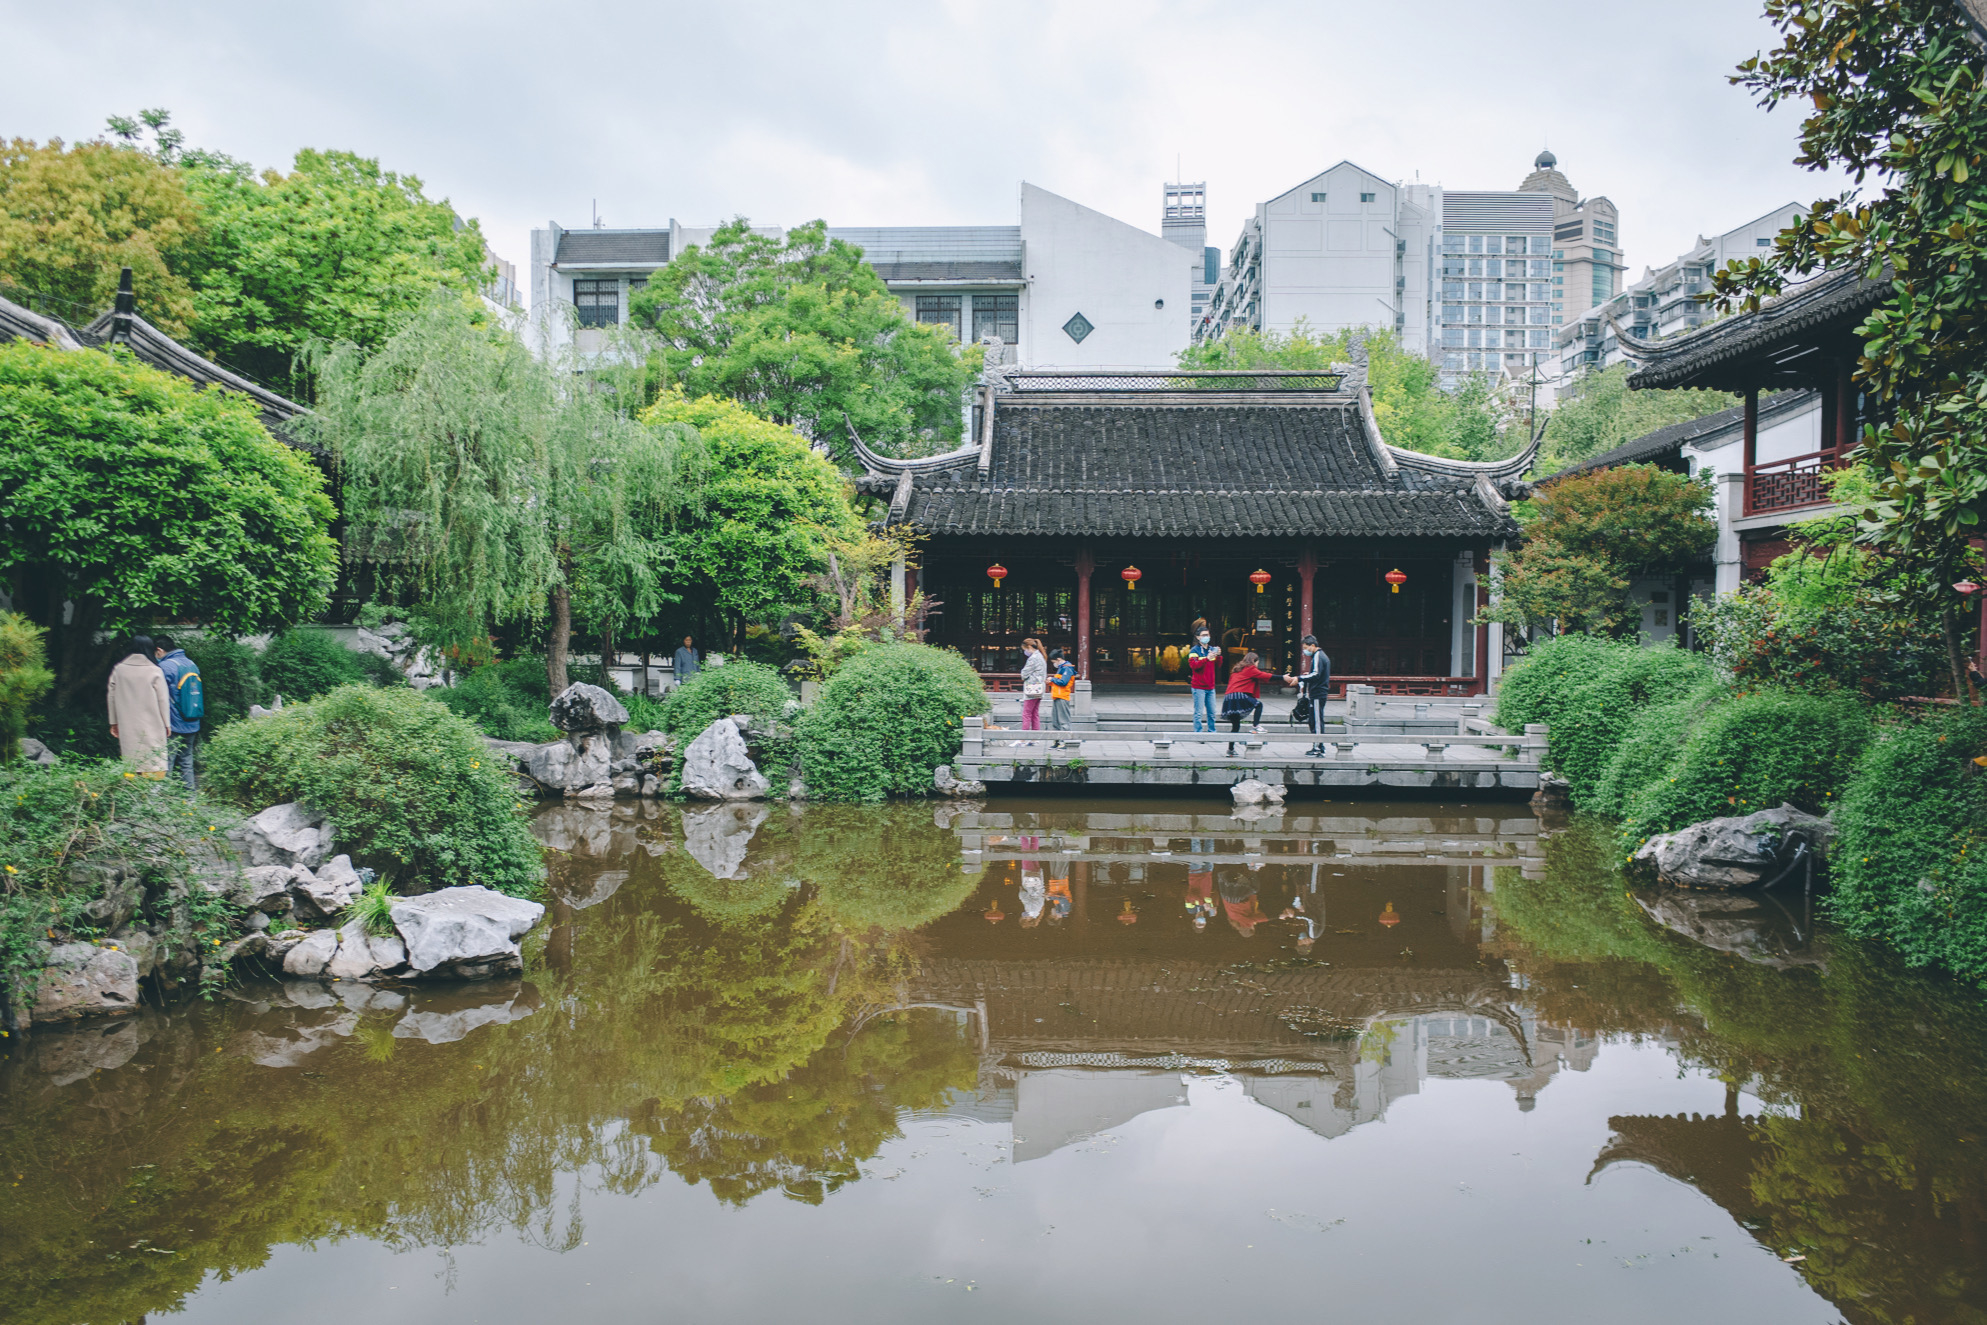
(1587,535)
(336,250)
(71,217)
(135,497)
(487,483)
(1601,413)
(1896,95)
(1409,404)
(751,534)
(802,331)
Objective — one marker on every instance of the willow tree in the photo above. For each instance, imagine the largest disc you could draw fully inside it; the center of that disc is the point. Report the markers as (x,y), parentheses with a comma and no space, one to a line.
(487,484)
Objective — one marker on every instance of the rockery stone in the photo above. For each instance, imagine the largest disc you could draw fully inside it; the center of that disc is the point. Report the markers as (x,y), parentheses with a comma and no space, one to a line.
(1735,852)
(717,766)
(586,708)
(464,933)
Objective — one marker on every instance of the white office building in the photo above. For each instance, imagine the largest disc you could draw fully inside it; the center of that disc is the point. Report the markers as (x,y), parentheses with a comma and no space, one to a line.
(1068,287)
(1495,310)
(1665,301)
(1343,250)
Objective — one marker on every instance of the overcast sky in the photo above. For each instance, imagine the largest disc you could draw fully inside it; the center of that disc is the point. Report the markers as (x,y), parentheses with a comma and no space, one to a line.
(932,112)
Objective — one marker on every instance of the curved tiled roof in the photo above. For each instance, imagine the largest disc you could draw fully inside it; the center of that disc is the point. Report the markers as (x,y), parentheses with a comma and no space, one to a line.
(1832,301)
(1212,471)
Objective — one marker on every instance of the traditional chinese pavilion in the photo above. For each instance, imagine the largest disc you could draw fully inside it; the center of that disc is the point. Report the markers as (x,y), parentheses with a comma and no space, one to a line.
(1105,512)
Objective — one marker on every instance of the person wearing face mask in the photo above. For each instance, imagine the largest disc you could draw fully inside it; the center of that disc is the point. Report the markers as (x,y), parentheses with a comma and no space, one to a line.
(1204,673)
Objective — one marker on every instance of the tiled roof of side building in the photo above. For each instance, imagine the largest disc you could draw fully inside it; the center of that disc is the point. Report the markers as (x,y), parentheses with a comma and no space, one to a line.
(634,248)
(1832,301)
(1208,471)
(949,271)
(1672,439)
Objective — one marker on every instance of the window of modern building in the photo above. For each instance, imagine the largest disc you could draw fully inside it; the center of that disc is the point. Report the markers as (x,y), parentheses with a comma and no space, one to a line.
(1476,337)
(1476,264)
(1475,290)
(1455,266)
(1493,244)
(599,302)
(1515,314)
(1000,315)
(1763,243)
(1539,245)
(942,309)
(1538,317)
(1453,362)
(1367,197)
(1603,285)
(1540,293)
(1452,312)
(1476,312)
(1540,268)
(1452,335)
(1604,231)
(1493,266)
(1453,290)
(1514,243)
(1317,197)
(1476,243)
(1602,255)
(1514,340)
(1452,243)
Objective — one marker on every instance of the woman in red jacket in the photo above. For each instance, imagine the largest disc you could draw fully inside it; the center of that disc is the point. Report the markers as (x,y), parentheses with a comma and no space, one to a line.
(1244,698)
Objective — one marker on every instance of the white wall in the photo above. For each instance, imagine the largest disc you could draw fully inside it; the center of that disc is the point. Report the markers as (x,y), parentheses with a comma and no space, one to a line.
(1332,263)
(1796,432)
(1078,260)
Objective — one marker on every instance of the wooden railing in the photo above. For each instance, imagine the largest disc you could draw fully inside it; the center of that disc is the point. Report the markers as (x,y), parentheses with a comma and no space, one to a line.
(1785,485)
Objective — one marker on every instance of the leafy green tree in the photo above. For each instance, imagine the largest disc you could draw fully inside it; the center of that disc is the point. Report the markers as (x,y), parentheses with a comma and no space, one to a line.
(131,496)
(752,529)
(71,217)
(1587,535)
(1408,401)
(886,719)
(336,250)
(484,481)
(1601,413)
(802,331)
(1896,90)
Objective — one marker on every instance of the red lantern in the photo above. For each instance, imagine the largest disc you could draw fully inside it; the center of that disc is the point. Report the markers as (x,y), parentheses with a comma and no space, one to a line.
(1390,917)
(1967,587)
(1132,575)
(997,573)
(1395,579)
(1128,916)
(1260,579)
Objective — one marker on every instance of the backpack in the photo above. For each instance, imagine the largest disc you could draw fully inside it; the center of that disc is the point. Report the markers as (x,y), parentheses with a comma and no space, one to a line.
(187,699)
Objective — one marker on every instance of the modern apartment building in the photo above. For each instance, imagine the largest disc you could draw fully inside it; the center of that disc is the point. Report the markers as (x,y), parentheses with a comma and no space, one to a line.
(1495,310)
(1586,241)
(1665,301)
(1345,249)
(1067,287)
(1183,220)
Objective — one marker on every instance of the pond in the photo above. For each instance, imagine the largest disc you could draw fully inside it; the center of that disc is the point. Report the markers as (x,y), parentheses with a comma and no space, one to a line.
(1052,1060)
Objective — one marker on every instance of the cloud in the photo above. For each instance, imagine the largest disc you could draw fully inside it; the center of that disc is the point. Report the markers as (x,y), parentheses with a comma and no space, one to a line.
(882,112)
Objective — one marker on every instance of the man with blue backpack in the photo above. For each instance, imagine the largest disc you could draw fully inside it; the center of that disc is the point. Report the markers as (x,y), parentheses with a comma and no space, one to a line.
(187,707)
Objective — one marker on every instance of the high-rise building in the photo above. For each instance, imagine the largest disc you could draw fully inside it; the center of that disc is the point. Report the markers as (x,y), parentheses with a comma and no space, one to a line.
(1183,220)
(1495,309)
(1586,241)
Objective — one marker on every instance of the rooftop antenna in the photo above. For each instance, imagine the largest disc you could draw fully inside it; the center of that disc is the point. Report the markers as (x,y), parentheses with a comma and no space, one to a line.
(596,215)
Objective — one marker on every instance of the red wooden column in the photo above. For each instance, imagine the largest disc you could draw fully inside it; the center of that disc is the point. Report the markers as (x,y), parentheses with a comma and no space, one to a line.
(1085,565)
(1751,444)
(1307,572)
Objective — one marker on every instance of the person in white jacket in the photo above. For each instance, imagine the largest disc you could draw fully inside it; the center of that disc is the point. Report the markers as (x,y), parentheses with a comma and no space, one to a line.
(140,710)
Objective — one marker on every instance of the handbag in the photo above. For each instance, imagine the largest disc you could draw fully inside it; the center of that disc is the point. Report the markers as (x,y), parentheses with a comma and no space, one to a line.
(1033,689)
(1301,715)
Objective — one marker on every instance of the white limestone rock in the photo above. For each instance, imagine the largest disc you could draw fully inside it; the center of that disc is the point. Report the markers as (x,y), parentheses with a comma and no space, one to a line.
(285,834)
(717,766)
(945,784)
(1250,791)
(464,933)
(264,888)
(324,894)
(83,980)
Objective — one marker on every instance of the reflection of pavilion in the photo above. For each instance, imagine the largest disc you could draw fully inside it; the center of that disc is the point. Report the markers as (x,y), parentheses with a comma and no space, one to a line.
(1071,1049)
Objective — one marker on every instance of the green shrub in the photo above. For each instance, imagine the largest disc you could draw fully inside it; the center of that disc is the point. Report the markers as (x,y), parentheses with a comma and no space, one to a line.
(735,687)
(1591,692)
(644,714)
(1779,635)
(230,677)
(24,678)
(67,830)
(885,720)
(303,664)
(373,909)
(1907,867)
(508,700)
(409,786)
(1754,752)
(1655,738)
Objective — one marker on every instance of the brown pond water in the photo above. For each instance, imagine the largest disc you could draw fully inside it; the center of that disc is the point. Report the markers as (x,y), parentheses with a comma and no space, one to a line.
(914,1064)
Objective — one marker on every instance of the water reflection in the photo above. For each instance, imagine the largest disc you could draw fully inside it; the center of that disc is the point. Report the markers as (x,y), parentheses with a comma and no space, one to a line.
(780,1007)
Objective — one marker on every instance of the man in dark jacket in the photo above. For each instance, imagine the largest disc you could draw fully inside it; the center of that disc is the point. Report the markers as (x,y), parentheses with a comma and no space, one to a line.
(1316,682)
(185,740)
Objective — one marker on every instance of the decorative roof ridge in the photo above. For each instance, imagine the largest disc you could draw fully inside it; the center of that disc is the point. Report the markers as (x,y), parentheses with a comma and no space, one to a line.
(120,325)
(892,466)
(1789,302)
(30,325)
(1369,426)
(1509,467)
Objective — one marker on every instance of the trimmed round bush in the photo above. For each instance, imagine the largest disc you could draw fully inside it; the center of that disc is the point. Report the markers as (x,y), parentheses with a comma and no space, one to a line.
(303,664)
(886,719)
(717,692)
(1536,686)
(1754,752)
(1907,867)
(409,786)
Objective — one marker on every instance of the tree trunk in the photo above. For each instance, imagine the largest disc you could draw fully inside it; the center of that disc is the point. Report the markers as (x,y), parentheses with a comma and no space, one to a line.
(1950,619)
(607,655)
(559,641)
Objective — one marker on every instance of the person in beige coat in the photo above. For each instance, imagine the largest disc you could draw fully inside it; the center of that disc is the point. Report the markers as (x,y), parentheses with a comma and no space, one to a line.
(139,718)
